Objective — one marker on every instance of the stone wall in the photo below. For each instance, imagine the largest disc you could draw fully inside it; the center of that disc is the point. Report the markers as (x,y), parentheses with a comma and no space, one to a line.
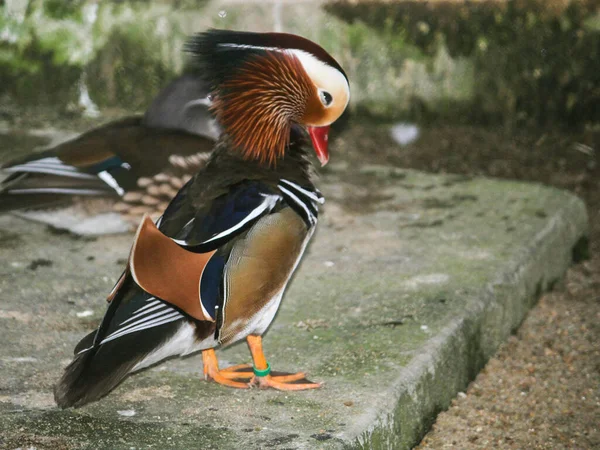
(492,61)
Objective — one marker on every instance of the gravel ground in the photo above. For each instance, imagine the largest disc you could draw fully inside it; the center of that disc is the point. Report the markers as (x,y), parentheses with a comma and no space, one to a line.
(542,390)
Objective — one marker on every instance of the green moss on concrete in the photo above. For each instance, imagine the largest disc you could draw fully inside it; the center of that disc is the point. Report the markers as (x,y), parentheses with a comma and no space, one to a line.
(393,319)
(83,431)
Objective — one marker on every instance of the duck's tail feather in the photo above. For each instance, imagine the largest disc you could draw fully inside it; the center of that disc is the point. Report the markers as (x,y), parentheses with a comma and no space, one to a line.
(136,331)
(98,370)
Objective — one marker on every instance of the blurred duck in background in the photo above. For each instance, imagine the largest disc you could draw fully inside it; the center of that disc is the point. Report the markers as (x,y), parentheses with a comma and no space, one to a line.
(105,180)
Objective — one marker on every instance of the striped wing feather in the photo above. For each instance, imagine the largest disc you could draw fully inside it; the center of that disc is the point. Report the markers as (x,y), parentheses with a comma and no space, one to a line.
(106,356)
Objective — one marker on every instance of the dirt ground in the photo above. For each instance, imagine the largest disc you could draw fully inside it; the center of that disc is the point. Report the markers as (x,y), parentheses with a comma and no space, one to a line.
(542,390)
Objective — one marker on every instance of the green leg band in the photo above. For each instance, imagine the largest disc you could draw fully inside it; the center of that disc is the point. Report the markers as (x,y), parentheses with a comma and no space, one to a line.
(262,373)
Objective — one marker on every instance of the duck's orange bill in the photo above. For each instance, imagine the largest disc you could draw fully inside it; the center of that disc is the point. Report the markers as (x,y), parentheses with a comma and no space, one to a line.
(319,137)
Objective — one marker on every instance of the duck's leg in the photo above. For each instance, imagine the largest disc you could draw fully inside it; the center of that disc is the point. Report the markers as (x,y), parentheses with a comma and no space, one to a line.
(262,372)
(226,376)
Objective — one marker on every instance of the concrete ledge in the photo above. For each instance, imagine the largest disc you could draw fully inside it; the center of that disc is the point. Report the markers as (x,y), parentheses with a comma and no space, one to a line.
(409,286)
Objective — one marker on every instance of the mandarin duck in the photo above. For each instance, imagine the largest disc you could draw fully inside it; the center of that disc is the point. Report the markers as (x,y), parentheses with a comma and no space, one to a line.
(213,269)
(130,166)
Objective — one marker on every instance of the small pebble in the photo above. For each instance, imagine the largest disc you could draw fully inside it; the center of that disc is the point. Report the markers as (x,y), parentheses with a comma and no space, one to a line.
(86,313)
(126,413)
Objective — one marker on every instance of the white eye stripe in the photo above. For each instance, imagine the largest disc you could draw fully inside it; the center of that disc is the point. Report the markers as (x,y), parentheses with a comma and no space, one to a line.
(307,59)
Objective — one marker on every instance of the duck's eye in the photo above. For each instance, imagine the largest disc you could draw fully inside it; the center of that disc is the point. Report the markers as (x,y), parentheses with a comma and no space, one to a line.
(326,97)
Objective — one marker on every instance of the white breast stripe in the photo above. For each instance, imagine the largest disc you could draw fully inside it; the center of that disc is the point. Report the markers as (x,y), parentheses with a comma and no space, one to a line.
(110,180)
(311,217)
(154,323)
(316,196)
(267,204)
(58,191)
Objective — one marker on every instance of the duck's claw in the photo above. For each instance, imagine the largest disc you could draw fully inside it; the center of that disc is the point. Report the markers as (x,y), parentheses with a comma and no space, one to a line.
(264,378)
(284,382)
(226,376)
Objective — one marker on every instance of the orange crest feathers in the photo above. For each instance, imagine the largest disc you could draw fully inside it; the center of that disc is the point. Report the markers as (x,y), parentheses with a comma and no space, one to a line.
(258,102)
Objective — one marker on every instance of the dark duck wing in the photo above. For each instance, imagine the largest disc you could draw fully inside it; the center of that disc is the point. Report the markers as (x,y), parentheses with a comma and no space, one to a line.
(140,162)
(216,263)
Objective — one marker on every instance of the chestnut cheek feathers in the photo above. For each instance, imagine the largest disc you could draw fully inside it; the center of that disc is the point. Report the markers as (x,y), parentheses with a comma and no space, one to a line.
(319,137)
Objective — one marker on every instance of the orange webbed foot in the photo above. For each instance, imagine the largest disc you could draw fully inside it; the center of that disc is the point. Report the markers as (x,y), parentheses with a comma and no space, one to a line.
(238,372)
(264,378)
(228,376)
(284,382)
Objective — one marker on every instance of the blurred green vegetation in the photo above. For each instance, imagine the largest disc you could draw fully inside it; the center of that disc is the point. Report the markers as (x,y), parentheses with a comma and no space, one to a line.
(535,61)
(501,62)
(121,50)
